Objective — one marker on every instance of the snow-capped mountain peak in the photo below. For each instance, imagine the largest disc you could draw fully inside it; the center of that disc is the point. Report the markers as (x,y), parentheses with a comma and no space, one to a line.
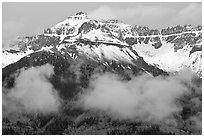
(169,49)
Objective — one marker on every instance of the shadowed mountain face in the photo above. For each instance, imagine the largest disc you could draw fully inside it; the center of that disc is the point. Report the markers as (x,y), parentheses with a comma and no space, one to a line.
(81,50)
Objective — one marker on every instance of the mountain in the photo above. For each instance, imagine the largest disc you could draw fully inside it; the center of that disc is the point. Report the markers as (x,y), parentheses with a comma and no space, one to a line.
(80,47)
(104,41)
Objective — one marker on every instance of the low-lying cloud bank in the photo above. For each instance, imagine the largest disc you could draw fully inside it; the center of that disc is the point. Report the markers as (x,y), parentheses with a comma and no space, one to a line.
(143,97)
(32,92)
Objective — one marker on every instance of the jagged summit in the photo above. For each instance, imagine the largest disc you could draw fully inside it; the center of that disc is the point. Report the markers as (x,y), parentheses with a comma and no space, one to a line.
(81,13)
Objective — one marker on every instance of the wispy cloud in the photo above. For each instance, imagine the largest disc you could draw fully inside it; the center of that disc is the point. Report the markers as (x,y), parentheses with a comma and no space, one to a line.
(32,92)
(143,97)
(155,16)
(12,28)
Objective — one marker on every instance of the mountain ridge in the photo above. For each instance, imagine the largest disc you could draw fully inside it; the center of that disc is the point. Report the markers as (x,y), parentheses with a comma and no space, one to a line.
(114,40)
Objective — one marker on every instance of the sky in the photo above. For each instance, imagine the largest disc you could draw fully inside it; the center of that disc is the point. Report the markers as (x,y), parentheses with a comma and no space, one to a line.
(26,19)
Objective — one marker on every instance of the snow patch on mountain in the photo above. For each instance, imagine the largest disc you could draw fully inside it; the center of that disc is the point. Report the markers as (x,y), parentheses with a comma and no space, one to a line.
(9,58)
(194,62)
(167,59)
(110,53)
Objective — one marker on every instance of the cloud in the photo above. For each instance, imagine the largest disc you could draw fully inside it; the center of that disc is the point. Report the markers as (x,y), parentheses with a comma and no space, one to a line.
(152,16)
(33,93)
(10,30)
(190,15)
(75,67)
(143,97)
(103,12)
